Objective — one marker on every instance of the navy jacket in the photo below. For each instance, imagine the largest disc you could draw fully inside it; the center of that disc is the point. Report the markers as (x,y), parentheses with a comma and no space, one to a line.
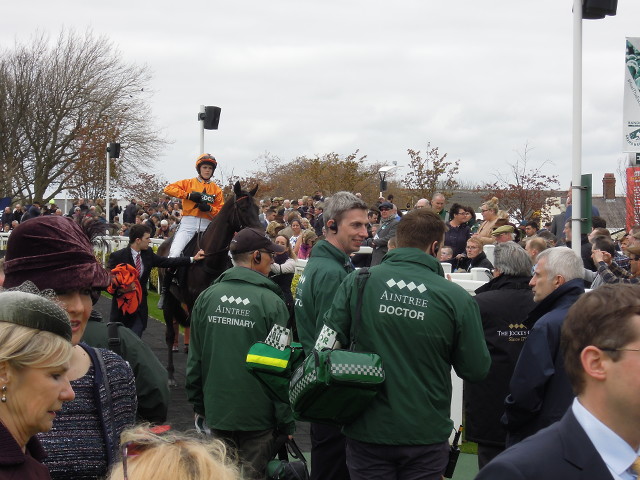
(540,392)
(505,302)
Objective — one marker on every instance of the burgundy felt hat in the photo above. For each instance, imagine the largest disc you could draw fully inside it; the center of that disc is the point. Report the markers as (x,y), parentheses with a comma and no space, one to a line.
(52,252)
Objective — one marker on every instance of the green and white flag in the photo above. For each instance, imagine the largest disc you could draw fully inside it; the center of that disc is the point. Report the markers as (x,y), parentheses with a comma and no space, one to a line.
(631,110)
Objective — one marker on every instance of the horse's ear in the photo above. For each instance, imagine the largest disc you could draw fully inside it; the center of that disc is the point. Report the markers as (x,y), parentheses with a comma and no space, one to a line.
(237,189)
(255,189)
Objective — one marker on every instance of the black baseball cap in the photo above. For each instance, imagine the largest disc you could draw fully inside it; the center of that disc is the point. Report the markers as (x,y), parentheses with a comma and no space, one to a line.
(251,239)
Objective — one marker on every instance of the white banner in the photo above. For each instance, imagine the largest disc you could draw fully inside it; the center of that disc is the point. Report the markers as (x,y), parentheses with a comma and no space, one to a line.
(631,110)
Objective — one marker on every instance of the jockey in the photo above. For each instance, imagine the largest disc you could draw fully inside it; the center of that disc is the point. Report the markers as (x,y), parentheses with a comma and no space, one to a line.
(201,198)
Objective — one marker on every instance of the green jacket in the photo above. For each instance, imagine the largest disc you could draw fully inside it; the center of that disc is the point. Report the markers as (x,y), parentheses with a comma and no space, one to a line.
(152,384)
(238,310)
(421,325)
(317,285)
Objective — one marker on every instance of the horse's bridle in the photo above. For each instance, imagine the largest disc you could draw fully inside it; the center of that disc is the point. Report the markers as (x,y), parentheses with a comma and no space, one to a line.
(236,224)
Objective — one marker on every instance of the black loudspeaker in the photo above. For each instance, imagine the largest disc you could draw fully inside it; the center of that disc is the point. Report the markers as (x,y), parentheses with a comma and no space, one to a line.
(595,9)
(211,117)
(114,150)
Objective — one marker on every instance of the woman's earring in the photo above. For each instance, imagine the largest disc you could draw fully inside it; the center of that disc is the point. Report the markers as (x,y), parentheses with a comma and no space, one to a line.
(3,399)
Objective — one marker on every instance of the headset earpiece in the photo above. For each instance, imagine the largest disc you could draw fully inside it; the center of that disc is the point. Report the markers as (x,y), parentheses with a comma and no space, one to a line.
(258,257)
(333,226)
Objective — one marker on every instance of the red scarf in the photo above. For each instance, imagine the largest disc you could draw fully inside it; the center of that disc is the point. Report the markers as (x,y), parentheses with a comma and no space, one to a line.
(125,284)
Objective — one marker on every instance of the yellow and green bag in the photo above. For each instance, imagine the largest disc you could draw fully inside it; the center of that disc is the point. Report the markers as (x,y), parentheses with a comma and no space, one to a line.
(273,361)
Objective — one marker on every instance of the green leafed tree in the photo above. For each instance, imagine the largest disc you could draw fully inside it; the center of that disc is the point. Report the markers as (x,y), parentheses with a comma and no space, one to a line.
(430,172)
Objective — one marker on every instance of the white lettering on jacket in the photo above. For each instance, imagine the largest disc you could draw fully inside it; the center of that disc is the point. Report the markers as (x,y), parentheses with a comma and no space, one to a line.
(401,311)
(236,322)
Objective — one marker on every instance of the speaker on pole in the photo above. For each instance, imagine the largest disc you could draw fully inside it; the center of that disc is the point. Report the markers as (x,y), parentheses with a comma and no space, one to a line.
(211,117)
(114,150)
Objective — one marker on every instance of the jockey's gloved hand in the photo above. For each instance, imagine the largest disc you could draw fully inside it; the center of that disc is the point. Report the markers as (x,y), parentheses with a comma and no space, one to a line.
(204,207)
(195,197)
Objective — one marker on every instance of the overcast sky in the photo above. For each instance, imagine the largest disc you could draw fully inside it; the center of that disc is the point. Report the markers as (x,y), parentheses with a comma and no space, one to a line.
(477,79)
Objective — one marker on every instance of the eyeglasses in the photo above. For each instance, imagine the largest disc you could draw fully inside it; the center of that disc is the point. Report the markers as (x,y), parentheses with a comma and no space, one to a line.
(605,349)
(133,449)
(460,213)
(130,449)
(272,254)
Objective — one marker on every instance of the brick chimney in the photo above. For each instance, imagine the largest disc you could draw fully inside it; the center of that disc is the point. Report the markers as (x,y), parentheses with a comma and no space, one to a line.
(609,186)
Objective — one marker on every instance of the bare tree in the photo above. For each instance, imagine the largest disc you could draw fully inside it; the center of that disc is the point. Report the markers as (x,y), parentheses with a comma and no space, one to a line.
(523,191)
(431,173)
(146,186)
(55,98)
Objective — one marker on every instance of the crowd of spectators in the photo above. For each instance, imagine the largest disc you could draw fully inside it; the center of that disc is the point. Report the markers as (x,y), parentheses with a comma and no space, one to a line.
(534,282)
(162,215)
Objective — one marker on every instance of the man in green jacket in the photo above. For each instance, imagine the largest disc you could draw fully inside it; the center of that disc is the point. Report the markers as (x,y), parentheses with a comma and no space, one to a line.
(421,325)
(239,309)
(345,229)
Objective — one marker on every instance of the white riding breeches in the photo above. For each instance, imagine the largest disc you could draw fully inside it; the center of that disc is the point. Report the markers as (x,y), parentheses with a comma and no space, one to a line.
(189,225)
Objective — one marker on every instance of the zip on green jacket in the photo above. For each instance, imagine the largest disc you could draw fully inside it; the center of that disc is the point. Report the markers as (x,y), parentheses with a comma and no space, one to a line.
(421,325)
(324,271)
(239,309)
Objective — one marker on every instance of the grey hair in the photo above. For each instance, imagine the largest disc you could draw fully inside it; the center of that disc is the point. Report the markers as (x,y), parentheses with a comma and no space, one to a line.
(511,259)
(564,262)
(339,204)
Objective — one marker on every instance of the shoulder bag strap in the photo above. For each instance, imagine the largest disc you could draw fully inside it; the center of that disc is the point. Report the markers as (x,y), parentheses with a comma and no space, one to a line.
(295,451)
(362,277)
(100,378)
(114,337)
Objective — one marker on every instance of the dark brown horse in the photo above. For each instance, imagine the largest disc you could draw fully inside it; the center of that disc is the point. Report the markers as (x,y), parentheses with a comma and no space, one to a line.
(238,212)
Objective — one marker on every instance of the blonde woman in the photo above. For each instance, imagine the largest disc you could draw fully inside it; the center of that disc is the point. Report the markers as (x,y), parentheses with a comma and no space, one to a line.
(305,243)
(474,257)
(35,349)
(171,456)
(489,210)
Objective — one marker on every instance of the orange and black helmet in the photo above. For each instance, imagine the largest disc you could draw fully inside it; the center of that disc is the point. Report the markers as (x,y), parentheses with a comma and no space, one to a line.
(206,158)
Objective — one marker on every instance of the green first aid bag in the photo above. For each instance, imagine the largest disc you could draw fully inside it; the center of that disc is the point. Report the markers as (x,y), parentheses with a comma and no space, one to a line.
(273,367)
(335,386)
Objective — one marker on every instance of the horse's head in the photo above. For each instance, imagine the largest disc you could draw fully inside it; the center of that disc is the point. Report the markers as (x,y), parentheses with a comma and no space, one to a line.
(246,210)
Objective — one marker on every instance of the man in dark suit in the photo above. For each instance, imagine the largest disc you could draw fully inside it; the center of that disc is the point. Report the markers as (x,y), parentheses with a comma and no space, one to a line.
(599,436)
(139,239)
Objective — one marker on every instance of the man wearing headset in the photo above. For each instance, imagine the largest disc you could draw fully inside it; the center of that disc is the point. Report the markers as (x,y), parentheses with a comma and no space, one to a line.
(346,222)
(201,199)
(239,309)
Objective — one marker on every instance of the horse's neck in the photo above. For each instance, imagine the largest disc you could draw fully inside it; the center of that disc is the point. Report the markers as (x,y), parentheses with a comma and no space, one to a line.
(218,235)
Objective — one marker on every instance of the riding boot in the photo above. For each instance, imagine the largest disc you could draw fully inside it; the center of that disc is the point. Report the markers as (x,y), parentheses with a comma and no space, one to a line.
(166,285)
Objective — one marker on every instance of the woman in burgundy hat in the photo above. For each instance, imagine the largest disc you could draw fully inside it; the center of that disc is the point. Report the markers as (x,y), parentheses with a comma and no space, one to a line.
(55,253)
